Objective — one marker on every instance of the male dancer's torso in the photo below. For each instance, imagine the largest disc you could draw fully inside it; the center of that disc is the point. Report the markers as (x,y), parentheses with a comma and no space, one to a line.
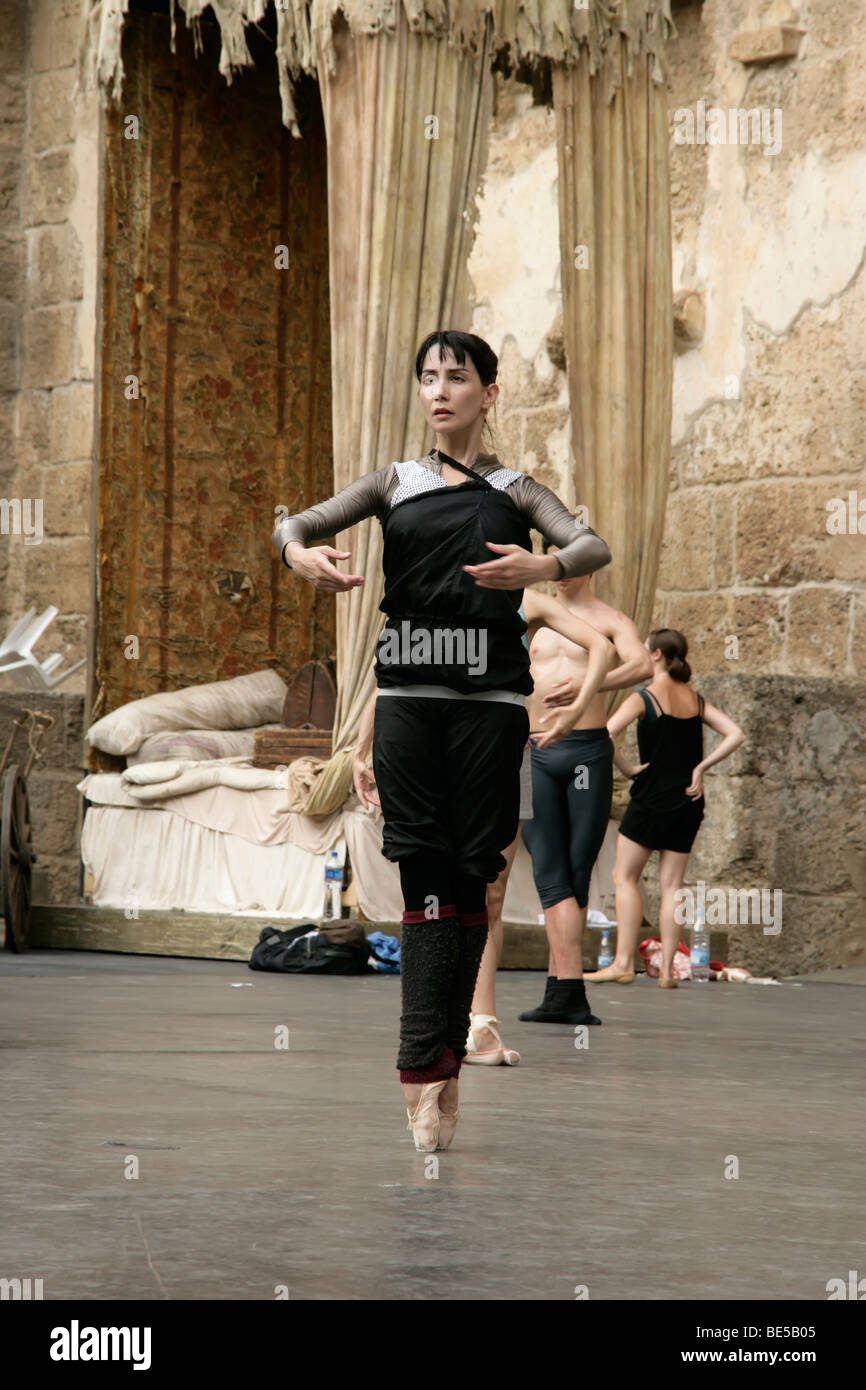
(554,658)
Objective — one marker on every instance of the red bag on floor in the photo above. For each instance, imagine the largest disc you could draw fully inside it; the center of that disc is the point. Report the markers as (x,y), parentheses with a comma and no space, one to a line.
(650,949)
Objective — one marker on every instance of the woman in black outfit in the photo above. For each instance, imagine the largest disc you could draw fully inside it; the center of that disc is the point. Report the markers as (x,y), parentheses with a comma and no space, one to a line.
(452,675)
(666,805)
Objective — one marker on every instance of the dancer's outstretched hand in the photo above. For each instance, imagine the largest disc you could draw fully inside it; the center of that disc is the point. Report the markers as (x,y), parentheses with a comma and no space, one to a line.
(515,569)
(314,564)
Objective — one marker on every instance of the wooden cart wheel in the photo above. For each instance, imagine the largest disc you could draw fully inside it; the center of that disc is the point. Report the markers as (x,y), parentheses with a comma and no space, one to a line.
(16,860)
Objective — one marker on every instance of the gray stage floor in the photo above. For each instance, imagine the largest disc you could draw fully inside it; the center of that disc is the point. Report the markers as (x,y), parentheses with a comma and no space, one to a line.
(601,1169)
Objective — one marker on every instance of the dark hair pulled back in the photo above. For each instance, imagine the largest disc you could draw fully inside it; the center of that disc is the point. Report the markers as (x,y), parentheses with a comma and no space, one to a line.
(673,647)
(462,345)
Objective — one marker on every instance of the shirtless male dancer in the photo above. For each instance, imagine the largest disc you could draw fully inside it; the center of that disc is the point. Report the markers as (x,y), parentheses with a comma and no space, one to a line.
(572,784)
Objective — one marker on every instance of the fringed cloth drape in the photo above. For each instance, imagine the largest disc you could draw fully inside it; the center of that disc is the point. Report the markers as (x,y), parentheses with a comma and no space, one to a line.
(400,217)
(401,212)
(534,30)
(615,247)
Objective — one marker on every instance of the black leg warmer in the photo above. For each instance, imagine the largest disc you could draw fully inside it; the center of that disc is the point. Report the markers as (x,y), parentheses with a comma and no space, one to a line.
(429,959)
(472,943)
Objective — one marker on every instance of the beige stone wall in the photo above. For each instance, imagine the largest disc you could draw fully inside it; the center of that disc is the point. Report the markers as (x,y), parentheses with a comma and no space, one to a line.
(518,303)
(48,273)
(48,226)
(768,427)
(769,422)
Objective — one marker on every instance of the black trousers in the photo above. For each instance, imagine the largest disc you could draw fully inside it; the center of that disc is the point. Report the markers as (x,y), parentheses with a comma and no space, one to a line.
(572,787)
(448,776)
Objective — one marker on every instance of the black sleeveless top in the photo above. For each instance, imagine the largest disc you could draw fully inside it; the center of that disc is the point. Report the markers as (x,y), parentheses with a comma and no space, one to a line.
(673,747)
(441,627)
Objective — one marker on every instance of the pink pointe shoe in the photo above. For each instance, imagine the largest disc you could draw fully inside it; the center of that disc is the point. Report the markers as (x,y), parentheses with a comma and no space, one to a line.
(448,1116)
(498,1056)
(425,1119)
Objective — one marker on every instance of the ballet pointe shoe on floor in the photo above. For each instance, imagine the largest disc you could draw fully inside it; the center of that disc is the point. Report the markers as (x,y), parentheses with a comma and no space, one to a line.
(668,984)
(610,975)
(496,1056)
(424,1117)
(448,1112)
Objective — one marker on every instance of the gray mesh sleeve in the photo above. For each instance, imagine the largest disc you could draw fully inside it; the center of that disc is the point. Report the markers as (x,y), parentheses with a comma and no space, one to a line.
(580,550)
(365,496)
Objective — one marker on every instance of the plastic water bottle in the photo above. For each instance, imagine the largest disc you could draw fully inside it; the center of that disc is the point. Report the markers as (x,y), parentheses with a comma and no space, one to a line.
(605,954)
(333,886)
(700,950)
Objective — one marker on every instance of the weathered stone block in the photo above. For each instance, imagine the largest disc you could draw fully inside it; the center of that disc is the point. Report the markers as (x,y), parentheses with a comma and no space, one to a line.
(858,637)
(71,423)
(541,447)
(51,185)
(56,880)
(58,572)
(34,418)
(686,556)
(806,854)
(13,109)
(818,933)
(51,109)
(12,268)
(781,533)
(13,50)
(818,630)
(67,499)
(54,804)
(56,267)
(55,34)
(757,621)
(724,528)
(714,452)
(10,369)
(767,45)
(705,620)
(48,356)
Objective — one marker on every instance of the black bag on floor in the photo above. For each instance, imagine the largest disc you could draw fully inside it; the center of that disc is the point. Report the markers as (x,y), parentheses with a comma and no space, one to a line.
(337,948)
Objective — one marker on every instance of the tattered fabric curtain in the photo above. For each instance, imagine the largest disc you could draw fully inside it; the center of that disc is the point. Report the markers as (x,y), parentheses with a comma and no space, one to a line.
(406,96)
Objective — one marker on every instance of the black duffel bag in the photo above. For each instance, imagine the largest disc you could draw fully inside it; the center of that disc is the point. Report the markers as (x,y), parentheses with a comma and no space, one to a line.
(337,948)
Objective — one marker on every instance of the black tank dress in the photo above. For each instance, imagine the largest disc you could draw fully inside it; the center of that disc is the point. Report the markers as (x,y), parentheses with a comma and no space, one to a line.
(442,628)
(659,815)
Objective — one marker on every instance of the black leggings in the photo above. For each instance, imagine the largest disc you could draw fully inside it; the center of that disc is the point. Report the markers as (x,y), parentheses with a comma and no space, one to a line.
(448,777)
(572,786)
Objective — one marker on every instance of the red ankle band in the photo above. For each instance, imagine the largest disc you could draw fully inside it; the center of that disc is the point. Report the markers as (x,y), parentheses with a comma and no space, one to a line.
(473,919)
(409,918)
(446,1067)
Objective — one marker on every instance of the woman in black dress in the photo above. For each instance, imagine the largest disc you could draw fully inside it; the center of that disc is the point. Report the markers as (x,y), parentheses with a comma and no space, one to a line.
(452,675)
(666,805)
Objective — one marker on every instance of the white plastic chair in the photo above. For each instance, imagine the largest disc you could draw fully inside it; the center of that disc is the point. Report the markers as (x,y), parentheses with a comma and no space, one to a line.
(17,659)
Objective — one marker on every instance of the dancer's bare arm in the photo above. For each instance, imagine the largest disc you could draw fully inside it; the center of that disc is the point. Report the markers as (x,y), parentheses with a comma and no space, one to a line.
(601,654)
(630,710)
(733,738)
(361,774)
(635,661)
